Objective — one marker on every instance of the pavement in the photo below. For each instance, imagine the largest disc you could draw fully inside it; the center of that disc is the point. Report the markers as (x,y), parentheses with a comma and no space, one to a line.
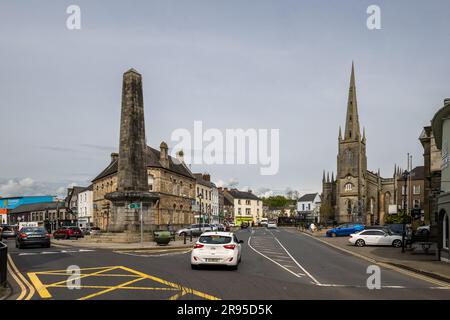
(426,264)
(278,264)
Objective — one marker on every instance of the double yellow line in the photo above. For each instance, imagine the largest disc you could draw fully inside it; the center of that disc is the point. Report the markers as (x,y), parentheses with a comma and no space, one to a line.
(25,286)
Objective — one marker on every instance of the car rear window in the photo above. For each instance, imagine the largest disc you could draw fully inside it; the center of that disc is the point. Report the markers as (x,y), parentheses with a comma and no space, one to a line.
(32,229)
(215,239)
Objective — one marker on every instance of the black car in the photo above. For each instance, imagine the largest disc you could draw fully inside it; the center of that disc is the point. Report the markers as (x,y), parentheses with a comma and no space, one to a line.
(32,236)
(244,225)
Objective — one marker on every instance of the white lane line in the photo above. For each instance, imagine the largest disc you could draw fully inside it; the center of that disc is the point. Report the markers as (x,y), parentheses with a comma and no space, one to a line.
(298,264)
(295,274)
(53,252)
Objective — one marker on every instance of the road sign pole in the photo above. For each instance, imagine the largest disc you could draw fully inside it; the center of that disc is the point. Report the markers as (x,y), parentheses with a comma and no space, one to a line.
(142,229)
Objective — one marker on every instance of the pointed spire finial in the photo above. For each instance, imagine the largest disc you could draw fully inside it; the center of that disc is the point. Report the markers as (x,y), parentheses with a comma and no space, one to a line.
(323,177)
(340,133)
(352,130)
(332,176)
(328,176)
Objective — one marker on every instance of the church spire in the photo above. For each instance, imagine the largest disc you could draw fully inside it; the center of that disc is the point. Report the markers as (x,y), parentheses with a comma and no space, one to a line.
(340,133)
(323,177)
(352,131)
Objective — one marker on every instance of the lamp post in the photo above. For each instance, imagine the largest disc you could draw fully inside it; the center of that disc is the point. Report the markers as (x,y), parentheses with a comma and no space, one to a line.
(405,176)
(200,196)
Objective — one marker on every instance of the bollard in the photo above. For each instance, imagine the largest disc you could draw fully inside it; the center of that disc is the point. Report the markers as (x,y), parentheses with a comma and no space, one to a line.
(191,236)
(184,238)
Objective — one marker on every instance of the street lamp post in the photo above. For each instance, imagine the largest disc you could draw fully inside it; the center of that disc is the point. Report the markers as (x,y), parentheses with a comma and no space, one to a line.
(405,179)
(200,196)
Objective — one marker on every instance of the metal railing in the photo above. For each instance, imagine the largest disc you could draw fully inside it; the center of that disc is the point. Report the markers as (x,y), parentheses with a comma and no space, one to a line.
(3,263)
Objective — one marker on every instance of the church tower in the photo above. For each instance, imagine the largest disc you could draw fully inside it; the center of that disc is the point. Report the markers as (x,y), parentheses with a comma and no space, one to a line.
(351,164)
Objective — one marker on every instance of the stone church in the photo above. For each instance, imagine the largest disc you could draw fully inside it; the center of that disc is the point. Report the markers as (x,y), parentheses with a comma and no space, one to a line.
(356,194)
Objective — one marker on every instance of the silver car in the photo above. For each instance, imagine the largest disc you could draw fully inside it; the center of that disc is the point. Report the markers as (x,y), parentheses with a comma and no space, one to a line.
(8,232)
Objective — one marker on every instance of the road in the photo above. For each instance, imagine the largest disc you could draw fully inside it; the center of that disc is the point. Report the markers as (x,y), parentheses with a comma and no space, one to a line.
(276,264)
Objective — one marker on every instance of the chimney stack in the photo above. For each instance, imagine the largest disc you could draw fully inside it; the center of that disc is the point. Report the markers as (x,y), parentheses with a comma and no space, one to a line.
(164,155)
(206,177)
(114,156)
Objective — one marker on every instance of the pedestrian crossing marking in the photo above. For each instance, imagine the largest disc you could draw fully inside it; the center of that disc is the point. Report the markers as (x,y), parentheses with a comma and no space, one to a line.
(44,289)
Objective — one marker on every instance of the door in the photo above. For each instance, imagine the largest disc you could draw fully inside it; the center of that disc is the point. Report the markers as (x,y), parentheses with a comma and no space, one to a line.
(374,237)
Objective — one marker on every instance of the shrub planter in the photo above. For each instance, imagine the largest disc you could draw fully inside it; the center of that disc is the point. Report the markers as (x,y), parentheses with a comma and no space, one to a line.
(162,237)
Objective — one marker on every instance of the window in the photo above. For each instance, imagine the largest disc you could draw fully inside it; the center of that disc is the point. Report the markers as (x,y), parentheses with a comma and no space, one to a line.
(247,202)
(303,207)
(150,181)
(348,187)
(373,233)
(247,211)
(416,203)
(404,190)
(239,211)
(445,232)
(239,201)
(416,189)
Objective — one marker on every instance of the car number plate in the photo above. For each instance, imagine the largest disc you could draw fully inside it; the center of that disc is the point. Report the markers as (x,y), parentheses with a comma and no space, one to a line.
(212,260)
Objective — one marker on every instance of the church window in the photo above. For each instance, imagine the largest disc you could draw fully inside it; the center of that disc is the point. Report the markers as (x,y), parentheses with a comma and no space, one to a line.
(348,187)
(350,133)
(349,207)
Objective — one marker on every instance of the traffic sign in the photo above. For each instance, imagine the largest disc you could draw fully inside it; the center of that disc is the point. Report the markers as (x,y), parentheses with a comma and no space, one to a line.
(134,206)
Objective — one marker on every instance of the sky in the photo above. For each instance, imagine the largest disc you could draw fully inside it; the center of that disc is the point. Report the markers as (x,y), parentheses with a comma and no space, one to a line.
(280,64)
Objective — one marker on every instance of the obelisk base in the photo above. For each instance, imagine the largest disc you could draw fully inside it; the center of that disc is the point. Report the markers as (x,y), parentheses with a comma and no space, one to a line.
(126,219)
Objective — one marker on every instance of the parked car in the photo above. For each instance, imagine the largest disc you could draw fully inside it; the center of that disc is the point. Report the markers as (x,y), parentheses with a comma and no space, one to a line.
(244,225)
(67,233)
(423,231)
(375,237)
(217,248)
(345,230)
(264,222)
(271,225)
(194,229)
(217,227)
(95,230)
(396,228)
(33,236)
(8,232)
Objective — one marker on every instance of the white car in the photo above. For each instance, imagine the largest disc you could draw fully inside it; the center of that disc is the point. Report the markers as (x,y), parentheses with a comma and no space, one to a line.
(271,225)
(217,248)
(264,222)
(375,237)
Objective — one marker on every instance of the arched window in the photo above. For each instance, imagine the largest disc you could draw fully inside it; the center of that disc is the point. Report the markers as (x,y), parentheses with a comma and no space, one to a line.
(348,187)
(349,206)
(445,232)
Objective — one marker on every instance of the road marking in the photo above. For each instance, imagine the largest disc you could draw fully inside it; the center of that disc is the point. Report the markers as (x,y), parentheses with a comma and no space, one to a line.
(22,279)
(44,293)
(383,264)
(295,274)
(52,252)
(23,290)
(40,288)
(298,264)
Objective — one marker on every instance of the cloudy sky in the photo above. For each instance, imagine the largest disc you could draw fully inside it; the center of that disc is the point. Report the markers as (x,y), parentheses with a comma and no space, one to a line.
(280,64)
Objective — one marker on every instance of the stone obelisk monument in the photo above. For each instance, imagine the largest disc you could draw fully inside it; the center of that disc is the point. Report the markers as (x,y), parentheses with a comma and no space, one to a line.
(132,181)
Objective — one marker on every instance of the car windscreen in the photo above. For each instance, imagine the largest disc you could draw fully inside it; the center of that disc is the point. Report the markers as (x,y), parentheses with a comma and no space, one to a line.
(215,239)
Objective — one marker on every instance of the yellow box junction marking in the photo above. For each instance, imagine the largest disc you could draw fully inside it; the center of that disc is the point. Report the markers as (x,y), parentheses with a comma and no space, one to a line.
(42,289)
